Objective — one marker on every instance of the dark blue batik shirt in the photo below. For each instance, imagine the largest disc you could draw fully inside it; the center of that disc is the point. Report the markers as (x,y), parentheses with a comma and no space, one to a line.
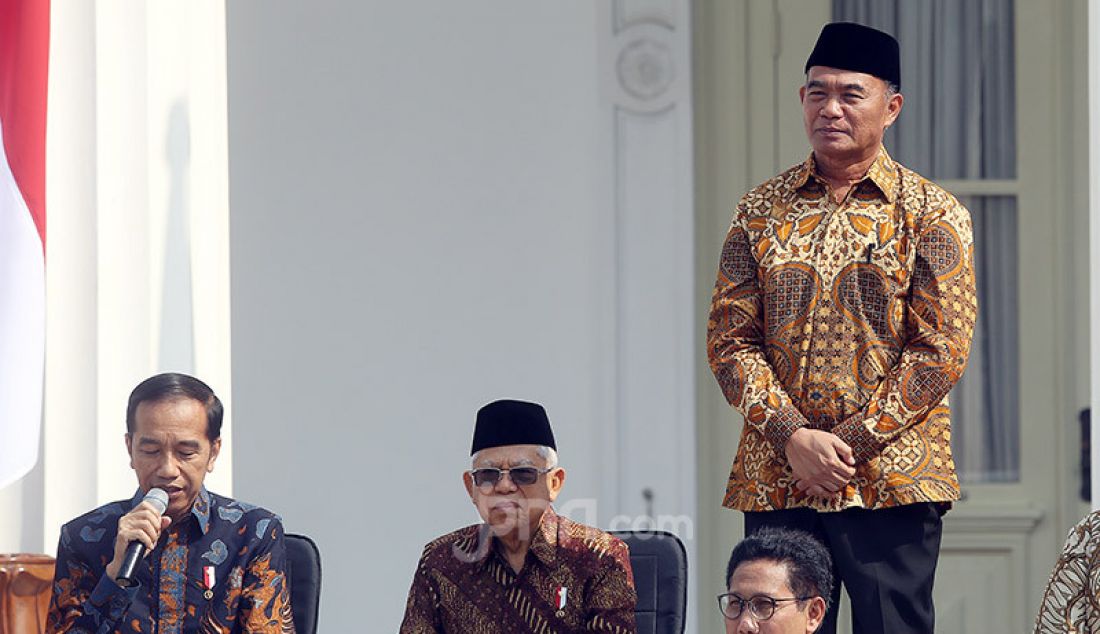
(220,570)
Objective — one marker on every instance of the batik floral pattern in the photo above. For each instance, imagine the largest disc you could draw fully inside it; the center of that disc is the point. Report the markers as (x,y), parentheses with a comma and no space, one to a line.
(576,578)
(1071,602)
(851,317)
(241,544)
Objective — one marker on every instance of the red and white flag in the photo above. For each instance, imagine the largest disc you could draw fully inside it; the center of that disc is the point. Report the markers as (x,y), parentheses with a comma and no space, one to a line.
(24,51)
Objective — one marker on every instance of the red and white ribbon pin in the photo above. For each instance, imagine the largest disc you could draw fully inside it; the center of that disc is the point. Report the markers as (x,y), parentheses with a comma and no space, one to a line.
(208,580)
(562,591)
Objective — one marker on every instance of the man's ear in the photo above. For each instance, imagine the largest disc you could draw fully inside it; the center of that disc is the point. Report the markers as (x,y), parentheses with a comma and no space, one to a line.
(815,613)
(893,108)
(802,93)
(215,449)
(555,479)
(468,482)
(130,448)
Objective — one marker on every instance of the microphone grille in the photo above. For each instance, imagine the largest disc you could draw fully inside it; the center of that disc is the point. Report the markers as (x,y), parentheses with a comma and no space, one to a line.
(158,498)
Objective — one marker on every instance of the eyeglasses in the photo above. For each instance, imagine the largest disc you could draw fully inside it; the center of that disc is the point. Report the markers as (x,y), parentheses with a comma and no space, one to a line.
(521,476)
(761,606)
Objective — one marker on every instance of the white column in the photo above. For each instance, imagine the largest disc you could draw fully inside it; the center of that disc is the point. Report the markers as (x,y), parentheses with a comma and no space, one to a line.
(1094,234)
(69,440)
(163,258)
(124,315)
(208,197)
(650,473)
(187,203)
(137,166)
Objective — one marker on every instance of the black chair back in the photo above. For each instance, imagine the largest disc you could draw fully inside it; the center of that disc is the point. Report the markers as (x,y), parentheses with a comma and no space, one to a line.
(303,569)
(660,577)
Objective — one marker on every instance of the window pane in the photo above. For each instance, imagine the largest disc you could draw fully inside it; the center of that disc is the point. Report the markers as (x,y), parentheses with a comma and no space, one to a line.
(958,74)
(958,70)
(985,404)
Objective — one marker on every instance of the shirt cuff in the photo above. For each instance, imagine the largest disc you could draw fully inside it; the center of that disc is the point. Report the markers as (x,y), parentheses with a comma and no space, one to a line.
(781,426)
(864,444)
(113,598)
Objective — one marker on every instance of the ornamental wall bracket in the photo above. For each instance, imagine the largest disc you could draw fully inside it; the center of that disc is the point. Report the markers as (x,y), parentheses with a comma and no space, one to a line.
(645,68)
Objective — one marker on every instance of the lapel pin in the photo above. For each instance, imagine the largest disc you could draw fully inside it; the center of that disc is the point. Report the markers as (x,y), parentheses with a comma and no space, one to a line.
(562,596)
(208,581)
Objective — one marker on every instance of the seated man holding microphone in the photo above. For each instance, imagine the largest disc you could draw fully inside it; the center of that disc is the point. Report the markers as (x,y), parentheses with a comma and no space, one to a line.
(175,557)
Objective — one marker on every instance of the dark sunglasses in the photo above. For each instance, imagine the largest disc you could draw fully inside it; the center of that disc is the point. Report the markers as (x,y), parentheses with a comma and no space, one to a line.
(520,476)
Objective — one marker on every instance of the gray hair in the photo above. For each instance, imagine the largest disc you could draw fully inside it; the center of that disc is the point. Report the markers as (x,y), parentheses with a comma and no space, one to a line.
(548,454)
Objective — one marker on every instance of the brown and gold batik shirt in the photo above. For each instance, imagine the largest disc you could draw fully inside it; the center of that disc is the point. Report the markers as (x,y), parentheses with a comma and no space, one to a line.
(576,578)
(851,317)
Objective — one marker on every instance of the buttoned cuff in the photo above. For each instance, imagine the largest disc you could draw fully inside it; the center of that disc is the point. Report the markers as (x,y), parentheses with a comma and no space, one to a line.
(781,426)
(111,598)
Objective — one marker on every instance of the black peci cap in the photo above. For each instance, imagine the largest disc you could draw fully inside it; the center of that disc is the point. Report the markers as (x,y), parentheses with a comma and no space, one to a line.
(850,46)
(508,422)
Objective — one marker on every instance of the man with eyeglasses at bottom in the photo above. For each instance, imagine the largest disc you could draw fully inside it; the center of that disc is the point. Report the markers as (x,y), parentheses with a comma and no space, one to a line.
(525,568)
(778,581)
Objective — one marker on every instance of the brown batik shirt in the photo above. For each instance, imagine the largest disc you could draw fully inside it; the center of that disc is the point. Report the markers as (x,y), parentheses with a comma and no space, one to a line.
(853,318)
(575,578)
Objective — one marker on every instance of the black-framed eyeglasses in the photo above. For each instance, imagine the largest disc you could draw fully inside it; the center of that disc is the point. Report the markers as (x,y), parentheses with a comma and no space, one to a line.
(521,476)
(761,606)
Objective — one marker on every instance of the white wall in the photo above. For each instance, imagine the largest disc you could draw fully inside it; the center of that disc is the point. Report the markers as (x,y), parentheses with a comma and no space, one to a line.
(432,209)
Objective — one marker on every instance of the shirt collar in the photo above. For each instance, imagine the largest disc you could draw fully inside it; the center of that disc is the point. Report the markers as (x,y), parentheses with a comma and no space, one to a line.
(200,509)
(545,543)
(883,174)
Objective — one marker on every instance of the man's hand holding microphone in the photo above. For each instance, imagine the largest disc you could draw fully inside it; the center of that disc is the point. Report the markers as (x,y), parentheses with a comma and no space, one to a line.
(138,533)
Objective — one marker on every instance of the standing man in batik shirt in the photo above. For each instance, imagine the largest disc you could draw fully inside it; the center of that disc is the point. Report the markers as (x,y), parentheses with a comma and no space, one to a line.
(841,318)
(213,565)
(526,568)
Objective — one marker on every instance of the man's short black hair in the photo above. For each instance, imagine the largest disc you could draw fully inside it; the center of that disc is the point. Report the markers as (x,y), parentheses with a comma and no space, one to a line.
(173,385)
(809,567)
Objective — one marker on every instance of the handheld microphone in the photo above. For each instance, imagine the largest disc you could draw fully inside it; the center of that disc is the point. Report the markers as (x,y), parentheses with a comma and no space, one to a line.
(136,550)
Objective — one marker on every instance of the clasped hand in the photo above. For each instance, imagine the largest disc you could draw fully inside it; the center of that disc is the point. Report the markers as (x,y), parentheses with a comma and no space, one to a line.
(821,462)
